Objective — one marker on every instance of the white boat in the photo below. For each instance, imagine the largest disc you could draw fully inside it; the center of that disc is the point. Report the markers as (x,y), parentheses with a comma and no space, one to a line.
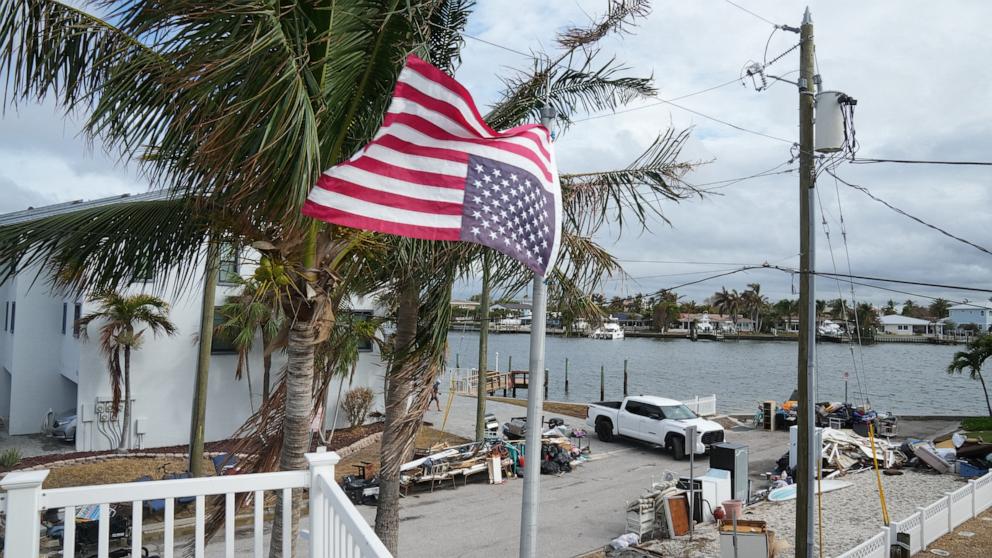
(609,330)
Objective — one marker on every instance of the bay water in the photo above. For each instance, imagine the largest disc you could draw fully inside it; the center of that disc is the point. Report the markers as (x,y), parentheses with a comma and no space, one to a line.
(904,378)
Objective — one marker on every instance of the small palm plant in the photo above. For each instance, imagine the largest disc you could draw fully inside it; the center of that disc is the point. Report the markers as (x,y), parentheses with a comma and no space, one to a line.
(123,321)
(978,352)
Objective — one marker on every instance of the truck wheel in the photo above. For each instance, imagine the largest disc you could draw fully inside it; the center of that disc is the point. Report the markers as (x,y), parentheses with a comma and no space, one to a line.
(604,430)
(678,448)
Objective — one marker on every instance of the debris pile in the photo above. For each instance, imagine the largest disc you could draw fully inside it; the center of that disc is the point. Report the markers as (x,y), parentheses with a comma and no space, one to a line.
(562,449)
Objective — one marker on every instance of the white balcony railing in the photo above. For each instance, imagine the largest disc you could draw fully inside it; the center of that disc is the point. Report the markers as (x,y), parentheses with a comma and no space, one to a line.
(336,527)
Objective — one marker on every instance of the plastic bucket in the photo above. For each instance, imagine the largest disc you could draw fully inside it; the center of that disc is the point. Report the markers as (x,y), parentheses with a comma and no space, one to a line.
(733,509)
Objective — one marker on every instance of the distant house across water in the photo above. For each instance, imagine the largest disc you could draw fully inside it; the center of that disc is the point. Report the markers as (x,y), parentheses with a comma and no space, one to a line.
(976,313)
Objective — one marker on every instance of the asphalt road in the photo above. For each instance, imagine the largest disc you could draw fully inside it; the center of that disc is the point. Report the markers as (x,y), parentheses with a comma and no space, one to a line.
(579,511)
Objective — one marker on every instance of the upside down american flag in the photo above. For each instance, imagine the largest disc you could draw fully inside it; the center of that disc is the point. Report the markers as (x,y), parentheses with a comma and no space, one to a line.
(435,170)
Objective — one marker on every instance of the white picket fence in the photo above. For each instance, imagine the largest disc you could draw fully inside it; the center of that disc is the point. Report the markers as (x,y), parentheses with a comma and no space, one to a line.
(930,523)
(336,527)
(702,406)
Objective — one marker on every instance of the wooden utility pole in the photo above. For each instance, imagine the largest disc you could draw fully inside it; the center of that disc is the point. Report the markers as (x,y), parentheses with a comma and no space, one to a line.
(807,453)
(480,405)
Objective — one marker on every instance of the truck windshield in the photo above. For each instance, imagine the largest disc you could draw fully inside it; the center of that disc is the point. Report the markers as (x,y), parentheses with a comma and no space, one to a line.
(678,412)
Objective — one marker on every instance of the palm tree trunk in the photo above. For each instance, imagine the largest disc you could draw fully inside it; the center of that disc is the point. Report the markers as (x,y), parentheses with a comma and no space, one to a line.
(985,389)
(267,367)
(122,445)
(395,433)
(296,424)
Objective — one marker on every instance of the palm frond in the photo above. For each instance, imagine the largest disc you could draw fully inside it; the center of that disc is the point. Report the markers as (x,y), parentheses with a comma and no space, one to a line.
(618,14)
(590,87)
(444,34)
(636,191)
(104,247)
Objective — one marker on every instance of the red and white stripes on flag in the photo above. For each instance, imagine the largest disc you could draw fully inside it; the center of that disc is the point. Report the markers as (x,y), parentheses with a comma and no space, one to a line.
(435,170)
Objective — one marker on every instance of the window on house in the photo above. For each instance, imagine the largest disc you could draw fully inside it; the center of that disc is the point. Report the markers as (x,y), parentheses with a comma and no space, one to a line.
(77,313)
(364,344)
(228,268)
(221,344)
(65,315)
(903,327)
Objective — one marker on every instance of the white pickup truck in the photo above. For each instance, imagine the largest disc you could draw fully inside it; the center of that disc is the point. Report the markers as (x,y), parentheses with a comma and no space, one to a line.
(655,420)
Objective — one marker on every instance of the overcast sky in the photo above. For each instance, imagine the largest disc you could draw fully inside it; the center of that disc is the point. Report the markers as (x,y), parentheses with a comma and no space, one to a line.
(919,70)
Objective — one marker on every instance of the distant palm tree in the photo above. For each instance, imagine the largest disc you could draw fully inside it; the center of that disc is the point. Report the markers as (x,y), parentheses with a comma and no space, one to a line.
(890,307)
(755,303)
(939,308)
(728,303)
(910,308)
(125,318)
(978,352)
(839,309)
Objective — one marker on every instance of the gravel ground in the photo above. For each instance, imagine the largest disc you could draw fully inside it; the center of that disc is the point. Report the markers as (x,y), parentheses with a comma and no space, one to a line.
(972,539)
(851,514)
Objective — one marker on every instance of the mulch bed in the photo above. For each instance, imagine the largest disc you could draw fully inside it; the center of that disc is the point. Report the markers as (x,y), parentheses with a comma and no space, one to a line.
(342,437)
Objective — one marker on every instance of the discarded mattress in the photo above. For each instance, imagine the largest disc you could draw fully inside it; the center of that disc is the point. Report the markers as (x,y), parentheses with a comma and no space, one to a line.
(789,492)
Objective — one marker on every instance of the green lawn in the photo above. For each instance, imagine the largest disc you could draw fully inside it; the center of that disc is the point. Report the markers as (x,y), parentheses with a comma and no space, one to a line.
(978,427)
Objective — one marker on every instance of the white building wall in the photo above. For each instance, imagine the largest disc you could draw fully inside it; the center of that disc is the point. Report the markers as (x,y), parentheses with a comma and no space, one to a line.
(37,383)
(894,329)
(163,371)
(52,370)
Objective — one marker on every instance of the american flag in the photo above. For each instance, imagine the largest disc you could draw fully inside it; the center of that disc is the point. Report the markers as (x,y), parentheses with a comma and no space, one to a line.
(435,170)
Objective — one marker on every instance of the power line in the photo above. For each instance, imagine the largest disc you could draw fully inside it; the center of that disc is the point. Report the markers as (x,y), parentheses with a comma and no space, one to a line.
(659,102)
(732,125)
(865,191)
(687,262)
(742,8)
(904,282)
(922,162)
(731,181)
(490,43)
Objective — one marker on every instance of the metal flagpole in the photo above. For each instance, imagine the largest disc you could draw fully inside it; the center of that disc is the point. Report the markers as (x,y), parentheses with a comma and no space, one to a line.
(535,403)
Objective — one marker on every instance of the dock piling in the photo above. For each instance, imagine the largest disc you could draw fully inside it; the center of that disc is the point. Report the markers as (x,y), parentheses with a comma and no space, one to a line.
(602,383)
(546,384)
(566,375)
(625,377)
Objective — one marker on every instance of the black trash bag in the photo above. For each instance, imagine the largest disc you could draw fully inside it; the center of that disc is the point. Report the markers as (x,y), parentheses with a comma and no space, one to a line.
(550,468)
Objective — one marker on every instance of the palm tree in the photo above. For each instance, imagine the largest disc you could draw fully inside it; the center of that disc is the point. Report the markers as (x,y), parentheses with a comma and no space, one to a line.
(247,314)
(728,303)
(236,119)
(124,319)
(939,308)
(910,308)
(755,303)
(666,311)
(838,309)
(890,307)
(978,352)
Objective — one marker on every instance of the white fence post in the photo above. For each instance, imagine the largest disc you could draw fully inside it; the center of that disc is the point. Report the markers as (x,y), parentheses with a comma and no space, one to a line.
(974,497)
(23,505)
(321,464)
(950,512)
(923,528)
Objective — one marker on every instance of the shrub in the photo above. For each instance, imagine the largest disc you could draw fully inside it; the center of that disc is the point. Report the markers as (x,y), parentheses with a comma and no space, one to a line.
(9,458)
(357,403)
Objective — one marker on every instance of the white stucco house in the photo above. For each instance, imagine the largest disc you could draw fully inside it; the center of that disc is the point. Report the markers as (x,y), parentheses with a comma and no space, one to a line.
(48,365)
(977,313)
(895,324)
